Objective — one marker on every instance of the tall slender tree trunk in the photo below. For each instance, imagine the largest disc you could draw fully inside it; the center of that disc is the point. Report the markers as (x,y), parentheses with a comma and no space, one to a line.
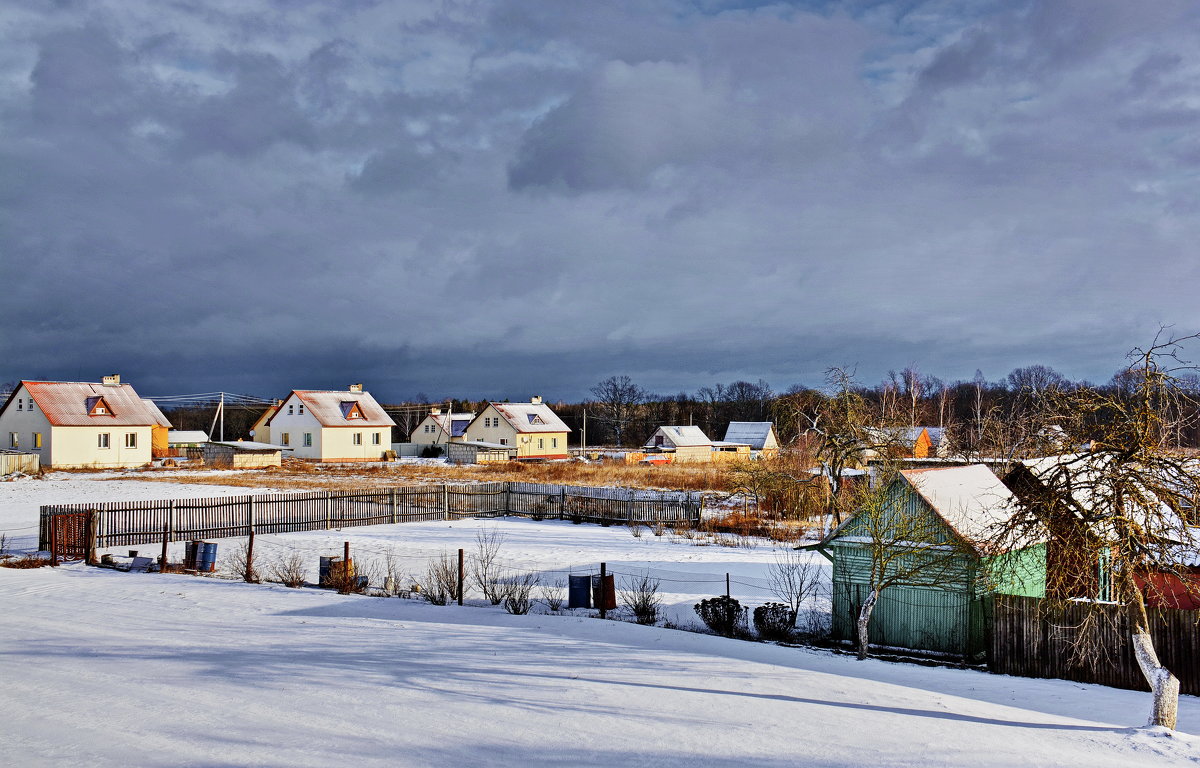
(1164,686)
(864,622)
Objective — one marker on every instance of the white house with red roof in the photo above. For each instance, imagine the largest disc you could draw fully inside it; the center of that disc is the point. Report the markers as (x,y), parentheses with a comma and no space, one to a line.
(325,425)
(534,429)
(72,424)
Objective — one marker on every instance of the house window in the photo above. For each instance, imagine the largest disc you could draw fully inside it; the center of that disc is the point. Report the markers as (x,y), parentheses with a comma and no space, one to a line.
(358,438)
(376,439)
(291,410)
(554,442)
(30,404)
(20,404)
(541,443)
(503,441)
(13,440)
(301,411)
(131,439)
(308,439)
(285,438)
(100,409)
(102,440)
(37,439)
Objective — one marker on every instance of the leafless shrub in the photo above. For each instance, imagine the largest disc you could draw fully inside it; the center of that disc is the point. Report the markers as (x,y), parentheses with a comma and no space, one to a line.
(516,592)
(439,585)
(640,595)
(238,564)
(485,565)
(288,570)
(552,595)
(793,578)
(393,574)
(27,561)
(659,527)
(635,529)
(3,544)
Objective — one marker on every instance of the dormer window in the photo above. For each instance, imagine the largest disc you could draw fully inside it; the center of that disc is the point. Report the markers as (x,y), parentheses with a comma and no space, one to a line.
(351,411)
(535,419)
(97,407)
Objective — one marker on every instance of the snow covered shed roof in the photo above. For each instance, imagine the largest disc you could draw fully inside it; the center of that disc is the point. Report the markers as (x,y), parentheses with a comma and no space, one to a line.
(751,433)
(531,417)
(85,404)
(970,499)
(679,437)
(186,436)
(339,408)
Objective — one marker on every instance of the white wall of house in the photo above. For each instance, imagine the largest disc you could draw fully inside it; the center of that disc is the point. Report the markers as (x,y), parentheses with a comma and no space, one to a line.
(294,427)
(20,429)
(491,427)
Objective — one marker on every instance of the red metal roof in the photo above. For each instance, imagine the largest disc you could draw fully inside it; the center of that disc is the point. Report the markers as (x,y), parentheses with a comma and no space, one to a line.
(65,404)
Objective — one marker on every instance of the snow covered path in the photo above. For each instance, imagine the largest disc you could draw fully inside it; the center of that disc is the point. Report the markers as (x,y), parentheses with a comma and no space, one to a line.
(108,669)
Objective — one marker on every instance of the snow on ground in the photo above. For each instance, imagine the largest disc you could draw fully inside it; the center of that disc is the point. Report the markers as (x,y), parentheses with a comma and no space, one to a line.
(111,669)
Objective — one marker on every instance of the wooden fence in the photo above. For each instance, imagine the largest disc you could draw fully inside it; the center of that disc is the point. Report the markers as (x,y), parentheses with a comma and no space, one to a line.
(121,523)
(1037,638)
(15,461)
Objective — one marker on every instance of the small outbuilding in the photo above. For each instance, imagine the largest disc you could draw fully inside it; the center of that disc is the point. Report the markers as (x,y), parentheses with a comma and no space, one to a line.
(687,444)
(242,454)
(479,452)
(759,435)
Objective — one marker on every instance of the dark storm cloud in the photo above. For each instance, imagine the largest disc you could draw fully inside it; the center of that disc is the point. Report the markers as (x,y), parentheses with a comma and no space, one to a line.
(493,199)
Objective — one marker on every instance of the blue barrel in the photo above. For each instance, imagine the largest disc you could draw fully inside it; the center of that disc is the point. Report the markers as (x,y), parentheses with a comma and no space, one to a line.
(206,556)
(579,594)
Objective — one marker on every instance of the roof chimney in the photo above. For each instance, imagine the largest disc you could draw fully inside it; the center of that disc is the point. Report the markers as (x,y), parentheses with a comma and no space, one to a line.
(536,399)
(435,411)
(111,381)
(357,388)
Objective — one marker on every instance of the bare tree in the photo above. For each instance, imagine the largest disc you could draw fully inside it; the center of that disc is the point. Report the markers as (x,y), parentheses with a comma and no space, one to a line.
(485,564)
(1126,506)
(618,401)
(793,578)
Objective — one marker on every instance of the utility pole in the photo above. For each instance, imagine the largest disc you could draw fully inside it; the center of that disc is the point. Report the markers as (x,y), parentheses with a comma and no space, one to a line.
(221,408)
(583,440)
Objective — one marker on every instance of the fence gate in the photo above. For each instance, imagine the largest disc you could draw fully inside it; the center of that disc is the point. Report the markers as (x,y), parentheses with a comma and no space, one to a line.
(68,535)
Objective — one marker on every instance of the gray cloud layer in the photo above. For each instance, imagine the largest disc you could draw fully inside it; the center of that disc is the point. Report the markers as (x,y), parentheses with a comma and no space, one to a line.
(499,198)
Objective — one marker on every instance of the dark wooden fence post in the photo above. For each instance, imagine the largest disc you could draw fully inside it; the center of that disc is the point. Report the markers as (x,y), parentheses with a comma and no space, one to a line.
(462,572)
(162,560)
(392,502)
(92,533)
(249,575)
(603,596)
(53,539)
(727,595)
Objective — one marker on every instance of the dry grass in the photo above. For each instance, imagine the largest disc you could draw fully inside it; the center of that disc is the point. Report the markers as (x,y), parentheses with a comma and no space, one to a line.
(302,475)
(26,561)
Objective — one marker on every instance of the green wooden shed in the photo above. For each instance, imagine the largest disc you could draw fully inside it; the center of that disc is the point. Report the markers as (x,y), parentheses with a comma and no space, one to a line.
(944,610)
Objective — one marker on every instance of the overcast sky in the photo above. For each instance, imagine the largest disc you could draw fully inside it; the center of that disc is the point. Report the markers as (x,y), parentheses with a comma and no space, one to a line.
(491,199)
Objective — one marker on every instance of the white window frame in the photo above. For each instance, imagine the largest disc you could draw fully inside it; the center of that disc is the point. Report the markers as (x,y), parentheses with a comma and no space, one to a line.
(286,438)
(104,440)
(308,439)
(20,404)
(131,439)
(541,443)
(357,438)
(376,438)
(14,440)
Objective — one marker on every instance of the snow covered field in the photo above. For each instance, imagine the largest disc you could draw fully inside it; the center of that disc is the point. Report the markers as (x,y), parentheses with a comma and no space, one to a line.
(107,668)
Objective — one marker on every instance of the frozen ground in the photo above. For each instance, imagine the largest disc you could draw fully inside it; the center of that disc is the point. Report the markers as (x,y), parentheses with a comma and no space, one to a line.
(106,668)
(111,669)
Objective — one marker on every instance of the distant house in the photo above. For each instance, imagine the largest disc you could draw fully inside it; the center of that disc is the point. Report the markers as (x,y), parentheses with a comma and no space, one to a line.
(439,428)
(325,425)
(908,443)
(81,424)
(686,444)
(260,430)
(957,506)
(759,435)
(534,429)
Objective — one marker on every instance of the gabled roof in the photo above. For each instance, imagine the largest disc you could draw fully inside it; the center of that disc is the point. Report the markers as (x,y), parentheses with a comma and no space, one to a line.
(752,433)
(162,419)
(971,500)
(531,417)
(67,404)
(681,437)
(458,422)
(331,408)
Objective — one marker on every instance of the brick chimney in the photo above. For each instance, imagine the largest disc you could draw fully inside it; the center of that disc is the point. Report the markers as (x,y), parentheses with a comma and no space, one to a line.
(111,381)
(356,388)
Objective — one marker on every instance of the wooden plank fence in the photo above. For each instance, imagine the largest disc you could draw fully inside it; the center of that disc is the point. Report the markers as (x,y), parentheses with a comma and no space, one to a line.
(14,461)
(122,523)
(1034,638)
